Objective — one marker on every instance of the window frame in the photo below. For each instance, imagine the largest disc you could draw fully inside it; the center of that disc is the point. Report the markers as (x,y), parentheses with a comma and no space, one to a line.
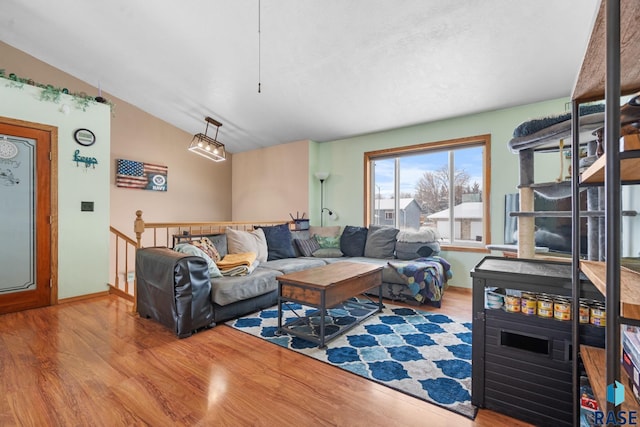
(451,144)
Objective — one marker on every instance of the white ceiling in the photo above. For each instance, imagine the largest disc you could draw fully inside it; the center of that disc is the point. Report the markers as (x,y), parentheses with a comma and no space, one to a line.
(329,68)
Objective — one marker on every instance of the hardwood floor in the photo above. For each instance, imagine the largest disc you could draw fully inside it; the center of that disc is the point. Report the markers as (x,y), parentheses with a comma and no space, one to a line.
(92,363)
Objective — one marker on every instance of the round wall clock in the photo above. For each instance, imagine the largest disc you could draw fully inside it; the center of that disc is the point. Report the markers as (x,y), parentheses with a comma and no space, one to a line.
(84,137)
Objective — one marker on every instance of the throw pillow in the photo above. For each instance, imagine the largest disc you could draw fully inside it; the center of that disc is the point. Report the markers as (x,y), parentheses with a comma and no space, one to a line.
(208,247)
(423,235)
(352,240)
(381,242)
(220,242)
(299,235)
(332,231)
(279,244)
(189,249)
(328,241)
(307,246)
(328,253)
(239,241)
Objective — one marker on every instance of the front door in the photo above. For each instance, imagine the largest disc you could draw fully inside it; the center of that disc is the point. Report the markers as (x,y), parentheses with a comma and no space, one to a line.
(26,215)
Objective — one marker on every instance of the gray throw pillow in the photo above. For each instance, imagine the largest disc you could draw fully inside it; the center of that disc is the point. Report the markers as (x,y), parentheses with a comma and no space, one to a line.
(381,242)
(307,246)
(299,235)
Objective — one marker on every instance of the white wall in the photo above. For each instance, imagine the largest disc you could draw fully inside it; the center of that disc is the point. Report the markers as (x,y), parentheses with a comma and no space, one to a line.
(83,237)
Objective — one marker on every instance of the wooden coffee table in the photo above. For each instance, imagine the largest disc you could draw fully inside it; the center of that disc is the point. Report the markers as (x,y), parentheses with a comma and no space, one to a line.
(328,287)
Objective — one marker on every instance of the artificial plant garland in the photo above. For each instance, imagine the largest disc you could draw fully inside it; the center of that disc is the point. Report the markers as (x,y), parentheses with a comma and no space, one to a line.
(52,93)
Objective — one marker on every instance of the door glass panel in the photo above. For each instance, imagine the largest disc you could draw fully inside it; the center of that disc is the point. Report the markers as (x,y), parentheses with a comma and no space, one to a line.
(17,211)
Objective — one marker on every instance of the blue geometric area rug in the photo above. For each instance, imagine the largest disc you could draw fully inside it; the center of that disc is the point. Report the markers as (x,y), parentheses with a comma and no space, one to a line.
(422,354)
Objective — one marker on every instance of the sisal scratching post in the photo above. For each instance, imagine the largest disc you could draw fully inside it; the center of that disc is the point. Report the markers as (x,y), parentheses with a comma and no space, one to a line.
(526,225)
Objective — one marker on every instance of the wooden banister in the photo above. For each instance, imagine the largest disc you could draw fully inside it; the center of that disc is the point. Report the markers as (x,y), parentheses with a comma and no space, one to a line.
(120,265)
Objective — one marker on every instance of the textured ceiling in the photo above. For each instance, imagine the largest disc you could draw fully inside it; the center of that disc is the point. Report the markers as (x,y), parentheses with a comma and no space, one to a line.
(329,68)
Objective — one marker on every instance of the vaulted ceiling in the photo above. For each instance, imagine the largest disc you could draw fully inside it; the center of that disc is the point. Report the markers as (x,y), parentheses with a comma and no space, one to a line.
(328,69)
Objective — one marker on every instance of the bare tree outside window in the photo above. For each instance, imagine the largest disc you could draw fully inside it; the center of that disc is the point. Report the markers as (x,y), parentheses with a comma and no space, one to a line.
(439,185)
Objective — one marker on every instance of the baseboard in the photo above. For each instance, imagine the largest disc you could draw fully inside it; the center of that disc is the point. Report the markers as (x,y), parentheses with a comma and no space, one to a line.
(118,292)
(83,297)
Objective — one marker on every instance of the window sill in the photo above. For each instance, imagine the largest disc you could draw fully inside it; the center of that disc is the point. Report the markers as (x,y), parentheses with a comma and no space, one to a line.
(454,248)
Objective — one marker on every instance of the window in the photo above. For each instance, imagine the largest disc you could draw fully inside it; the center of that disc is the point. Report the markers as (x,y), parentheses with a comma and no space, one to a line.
(444,185)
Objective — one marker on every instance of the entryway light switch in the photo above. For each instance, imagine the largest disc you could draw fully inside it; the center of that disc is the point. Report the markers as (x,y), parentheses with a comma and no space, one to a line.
(86,206)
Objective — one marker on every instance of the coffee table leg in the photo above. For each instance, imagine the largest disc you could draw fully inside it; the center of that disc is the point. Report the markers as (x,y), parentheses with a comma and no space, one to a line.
(322,314)
(380,306)
(279,330)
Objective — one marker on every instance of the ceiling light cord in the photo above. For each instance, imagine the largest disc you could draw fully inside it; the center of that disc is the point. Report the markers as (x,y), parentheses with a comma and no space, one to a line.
(259,50)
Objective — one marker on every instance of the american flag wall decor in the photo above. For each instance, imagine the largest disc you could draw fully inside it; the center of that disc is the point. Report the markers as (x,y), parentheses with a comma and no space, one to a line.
(144,176)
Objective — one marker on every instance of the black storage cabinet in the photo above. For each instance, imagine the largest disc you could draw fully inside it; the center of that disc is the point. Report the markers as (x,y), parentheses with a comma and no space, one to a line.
(522,364)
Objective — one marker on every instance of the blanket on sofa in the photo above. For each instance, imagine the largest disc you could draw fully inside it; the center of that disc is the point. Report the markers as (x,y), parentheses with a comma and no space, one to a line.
(425,277)
(239,264)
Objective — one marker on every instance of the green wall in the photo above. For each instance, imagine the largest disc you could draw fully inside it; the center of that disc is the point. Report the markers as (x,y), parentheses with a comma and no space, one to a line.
(83,237)
(344,159)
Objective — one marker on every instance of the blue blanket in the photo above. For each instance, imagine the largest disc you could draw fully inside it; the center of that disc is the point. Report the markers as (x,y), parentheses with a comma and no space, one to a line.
(425,277)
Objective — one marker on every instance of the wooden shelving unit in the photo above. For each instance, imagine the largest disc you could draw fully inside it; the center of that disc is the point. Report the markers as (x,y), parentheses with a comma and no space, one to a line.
(594,362)
(629,169)
(591,79)
(629,280)
(597,72)
(629,285)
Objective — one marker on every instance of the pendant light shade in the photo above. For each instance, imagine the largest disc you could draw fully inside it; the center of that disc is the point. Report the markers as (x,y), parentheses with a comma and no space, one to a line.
(206,146)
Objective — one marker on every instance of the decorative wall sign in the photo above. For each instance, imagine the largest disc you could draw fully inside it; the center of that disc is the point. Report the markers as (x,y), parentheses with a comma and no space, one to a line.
(88,161)
(84,137)
(143,176)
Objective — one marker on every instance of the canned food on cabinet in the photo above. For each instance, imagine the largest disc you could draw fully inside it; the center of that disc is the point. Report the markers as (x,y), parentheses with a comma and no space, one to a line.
(529,305)
(562,309)
(545,312)
(598,315)
(584,313)
(511,305)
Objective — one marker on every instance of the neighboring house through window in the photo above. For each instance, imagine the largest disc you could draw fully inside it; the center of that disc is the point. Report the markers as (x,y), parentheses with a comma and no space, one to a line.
(444,185)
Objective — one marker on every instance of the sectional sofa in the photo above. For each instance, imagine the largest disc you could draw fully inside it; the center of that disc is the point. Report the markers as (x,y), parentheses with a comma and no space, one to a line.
(184,289)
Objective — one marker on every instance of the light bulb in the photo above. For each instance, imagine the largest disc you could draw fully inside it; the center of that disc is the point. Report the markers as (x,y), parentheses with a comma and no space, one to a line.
(215,151)
(208,148)
(200,144)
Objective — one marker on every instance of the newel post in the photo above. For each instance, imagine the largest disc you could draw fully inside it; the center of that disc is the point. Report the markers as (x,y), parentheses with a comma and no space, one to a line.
(138,228)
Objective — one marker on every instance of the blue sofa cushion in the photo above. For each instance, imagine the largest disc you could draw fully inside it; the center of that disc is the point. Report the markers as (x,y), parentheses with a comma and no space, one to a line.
(353,240)
(279,242)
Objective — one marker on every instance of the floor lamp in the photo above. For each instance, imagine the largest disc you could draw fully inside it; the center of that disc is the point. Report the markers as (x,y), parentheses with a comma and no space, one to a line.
(322,176)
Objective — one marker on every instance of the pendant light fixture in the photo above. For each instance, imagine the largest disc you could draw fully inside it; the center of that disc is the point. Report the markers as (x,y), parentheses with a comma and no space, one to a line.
(206,146)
